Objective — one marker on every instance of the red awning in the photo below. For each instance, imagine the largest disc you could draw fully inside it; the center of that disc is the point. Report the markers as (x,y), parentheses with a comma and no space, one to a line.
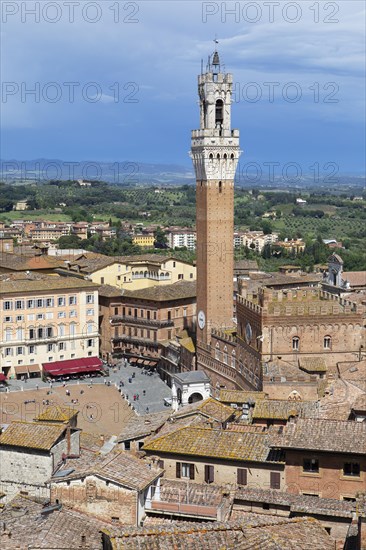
(2,377)
(73,366)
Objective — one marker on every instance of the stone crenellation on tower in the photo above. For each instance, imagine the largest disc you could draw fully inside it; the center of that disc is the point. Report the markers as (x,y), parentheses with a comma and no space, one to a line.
(215,153)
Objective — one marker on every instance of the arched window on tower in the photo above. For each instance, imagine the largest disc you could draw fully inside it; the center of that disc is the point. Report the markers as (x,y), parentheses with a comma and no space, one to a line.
(295,343)
(327,342)
(219,114)
(217,351)
(220,186)
(225,355)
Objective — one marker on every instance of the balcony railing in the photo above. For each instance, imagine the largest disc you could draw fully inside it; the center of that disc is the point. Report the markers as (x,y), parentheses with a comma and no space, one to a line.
(128,319)
(135,340)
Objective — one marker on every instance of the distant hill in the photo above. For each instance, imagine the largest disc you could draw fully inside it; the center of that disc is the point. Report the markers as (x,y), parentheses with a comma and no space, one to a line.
(125,172)
(139,173)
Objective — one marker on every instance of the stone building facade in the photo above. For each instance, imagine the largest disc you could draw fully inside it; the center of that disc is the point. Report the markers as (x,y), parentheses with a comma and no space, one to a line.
(111,488)
(225,457)
(45,319)
(137,323)
(306,328)
(29,454)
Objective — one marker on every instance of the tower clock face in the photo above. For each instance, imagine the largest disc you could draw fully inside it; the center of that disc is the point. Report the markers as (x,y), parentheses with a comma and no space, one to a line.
(248,333)
(201,319)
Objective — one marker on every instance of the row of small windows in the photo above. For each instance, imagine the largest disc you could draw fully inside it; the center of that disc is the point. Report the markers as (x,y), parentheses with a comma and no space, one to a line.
(311,466)
(187,470)
(225,157)
(46,332)
(48,315)
(32,350)
(327,343)
(136,332)
(44,302)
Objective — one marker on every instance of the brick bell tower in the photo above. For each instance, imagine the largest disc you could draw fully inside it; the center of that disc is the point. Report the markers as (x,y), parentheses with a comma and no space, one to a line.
(215,153)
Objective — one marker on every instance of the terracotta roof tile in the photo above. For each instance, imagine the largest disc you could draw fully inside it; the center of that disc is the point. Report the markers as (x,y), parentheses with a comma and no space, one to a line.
(120,467)
(297,503)
(213,443)
(142,426)
(28,526)
(32,435)
(44,283)
(237,396)
(313,364)
(323,435)
(211,408)
(55,413)
(162,293)
(251,534)
(281,409)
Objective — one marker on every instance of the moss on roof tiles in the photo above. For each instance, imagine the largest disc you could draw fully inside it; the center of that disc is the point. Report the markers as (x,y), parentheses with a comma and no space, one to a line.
(206,442)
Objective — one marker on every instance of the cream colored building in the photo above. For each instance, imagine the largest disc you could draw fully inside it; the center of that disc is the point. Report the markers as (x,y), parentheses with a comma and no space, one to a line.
(45,318)
(131,272)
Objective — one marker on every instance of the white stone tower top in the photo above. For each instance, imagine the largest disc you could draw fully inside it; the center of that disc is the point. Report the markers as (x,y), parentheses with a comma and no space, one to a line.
(215,146)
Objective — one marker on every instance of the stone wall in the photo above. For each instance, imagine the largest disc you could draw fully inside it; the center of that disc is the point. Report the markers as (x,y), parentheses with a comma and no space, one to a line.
(225,472)
(25,470)
(98,497)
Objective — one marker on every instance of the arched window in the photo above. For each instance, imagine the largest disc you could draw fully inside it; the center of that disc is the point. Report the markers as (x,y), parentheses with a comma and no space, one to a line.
(233,359)
(211,156)
(232,156)
(225,355)
(219,113)
(327,342)
(220,186)
(217,351)
(295,343)
(225,156)
(218,156)
(90,328)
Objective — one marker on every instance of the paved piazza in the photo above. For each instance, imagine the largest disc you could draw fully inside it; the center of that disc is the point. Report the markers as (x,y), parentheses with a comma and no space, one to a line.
(103,408)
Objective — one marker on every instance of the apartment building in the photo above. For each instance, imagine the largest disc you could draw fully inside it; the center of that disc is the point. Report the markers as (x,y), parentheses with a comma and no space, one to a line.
(254,239)
(180,237)
(45,318)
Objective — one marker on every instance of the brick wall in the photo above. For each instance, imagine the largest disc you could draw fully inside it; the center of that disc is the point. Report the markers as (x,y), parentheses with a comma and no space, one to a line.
(330,481)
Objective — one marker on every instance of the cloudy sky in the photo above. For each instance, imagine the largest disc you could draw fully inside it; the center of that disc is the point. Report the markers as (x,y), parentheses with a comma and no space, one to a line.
(115,81)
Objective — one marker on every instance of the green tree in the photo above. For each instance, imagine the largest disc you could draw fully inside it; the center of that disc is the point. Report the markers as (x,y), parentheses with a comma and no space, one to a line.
(160,238)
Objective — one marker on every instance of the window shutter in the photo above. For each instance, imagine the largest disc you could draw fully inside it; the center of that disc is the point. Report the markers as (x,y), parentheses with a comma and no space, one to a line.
(275,480)
(242,476)
(178,470)
(191,471)
(209,473)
